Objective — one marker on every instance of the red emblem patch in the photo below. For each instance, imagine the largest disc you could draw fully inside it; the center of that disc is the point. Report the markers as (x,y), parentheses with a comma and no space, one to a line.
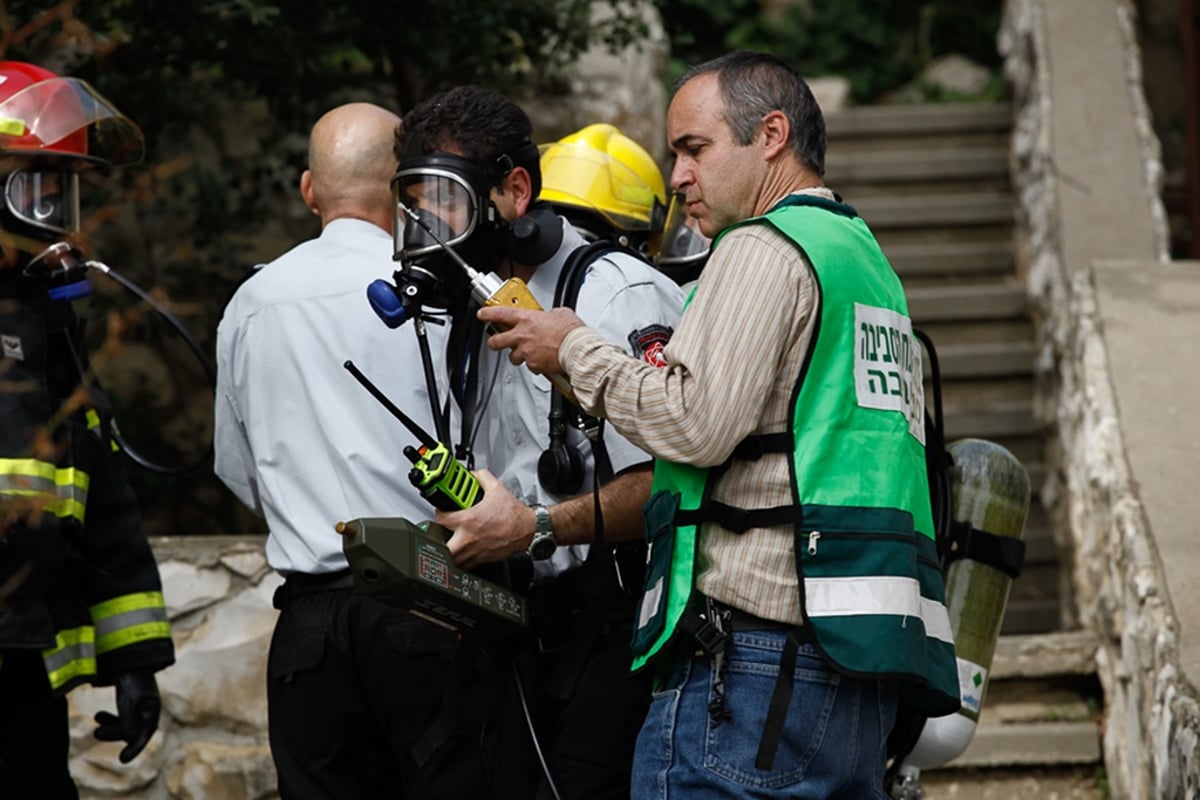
(648,343)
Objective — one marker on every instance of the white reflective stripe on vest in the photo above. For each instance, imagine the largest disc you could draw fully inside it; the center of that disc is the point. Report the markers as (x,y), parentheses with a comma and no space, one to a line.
(882,595)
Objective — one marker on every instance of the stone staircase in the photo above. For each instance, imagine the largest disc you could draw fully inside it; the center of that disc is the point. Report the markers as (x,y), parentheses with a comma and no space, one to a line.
(933,183)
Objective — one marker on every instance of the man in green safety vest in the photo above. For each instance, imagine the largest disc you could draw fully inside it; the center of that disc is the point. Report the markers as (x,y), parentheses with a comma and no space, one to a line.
(793,597)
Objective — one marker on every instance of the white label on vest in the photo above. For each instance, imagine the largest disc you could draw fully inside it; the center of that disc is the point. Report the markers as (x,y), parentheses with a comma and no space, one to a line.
(651,601)
(887,365)
(972,681)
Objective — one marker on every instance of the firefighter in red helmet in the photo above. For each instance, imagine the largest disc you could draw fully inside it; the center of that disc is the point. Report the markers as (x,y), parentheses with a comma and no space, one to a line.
(80,594)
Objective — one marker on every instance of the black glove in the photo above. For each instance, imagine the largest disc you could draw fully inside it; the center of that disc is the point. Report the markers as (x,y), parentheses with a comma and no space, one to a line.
(138,707)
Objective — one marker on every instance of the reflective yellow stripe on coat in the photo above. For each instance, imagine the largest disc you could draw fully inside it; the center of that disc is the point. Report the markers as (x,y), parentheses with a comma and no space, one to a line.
(62,491)
(73,656)
(129,619)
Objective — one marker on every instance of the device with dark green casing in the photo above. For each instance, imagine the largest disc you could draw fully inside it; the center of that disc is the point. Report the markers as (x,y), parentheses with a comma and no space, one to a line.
(409,566)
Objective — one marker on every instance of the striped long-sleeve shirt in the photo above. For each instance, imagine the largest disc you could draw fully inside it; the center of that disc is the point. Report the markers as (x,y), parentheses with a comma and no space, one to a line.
(732,366)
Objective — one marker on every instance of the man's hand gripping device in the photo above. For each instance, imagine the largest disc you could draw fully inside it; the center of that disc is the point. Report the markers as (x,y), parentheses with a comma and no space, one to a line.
(409,565)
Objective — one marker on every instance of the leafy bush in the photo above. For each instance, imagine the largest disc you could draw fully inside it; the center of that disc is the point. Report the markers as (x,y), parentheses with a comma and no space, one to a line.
(878,45)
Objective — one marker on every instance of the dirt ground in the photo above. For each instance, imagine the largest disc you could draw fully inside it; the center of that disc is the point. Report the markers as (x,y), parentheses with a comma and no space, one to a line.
(1063,783)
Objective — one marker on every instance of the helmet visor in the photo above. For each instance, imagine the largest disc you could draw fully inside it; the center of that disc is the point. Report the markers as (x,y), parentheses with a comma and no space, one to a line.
(682,241)
(40,117)
(445,208)
(44,199)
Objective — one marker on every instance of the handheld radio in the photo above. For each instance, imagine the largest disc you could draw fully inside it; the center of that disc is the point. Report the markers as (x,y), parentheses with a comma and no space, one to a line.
(441,479)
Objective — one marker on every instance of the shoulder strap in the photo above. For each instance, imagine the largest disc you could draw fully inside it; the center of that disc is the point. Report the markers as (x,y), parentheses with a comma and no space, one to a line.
(566,293)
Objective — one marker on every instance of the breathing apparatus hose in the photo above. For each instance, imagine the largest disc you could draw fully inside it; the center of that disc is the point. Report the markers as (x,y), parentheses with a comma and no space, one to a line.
(210,373)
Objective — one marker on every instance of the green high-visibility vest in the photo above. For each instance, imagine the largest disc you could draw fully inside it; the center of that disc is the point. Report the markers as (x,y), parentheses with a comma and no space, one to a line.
(871,584)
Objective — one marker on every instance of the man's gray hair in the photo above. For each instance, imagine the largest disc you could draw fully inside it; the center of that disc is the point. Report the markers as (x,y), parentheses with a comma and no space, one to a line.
(754,84)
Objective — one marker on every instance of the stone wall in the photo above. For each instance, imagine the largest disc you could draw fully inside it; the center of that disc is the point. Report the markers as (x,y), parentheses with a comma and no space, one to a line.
(1087,172)
(211,742)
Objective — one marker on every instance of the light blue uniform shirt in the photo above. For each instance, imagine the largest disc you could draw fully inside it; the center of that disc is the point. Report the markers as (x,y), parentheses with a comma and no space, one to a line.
(297,439)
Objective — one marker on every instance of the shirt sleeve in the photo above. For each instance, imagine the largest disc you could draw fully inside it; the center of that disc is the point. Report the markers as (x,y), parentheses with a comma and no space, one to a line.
(233,459)
(638,312)
(754,297)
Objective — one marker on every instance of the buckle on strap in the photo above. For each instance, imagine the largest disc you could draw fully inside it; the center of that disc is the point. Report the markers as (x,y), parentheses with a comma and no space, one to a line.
(709,629)
(1004,553)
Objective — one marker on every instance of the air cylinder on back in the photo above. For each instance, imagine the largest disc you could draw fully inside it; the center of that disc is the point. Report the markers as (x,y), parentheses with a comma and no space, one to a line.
(990,492)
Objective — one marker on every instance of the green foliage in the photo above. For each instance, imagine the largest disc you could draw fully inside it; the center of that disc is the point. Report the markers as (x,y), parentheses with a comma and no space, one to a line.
(225,92)
(878,46)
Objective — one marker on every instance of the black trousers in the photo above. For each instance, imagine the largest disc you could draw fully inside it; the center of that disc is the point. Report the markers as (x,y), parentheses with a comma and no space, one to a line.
(368,701)
(34,740)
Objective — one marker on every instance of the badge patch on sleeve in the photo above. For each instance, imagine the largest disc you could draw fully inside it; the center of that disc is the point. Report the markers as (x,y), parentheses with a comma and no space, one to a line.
(648,343)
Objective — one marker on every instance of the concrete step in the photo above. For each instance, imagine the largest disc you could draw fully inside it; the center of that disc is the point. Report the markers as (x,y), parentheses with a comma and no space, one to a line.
(925,210)
(1041,706)
(985,359)
(1033,743)
(897,165)
(940,259)
(939,303)
(994,422)
(1067,782)
(1063,653)
(942,119)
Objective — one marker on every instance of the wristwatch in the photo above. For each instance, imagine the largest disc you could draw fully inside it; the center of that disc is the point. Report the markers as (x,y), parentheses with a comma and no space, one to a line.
(543,544)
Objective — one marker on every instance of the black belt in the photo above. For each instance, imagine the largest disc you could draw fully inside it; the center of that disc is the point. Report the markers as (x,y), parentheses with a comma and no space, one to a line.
(300,583)
(739,620)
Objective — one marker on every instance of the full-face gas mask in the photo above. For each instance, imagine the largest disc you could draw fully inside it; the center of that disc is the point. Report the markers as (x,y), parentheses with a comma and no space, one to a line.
(450,195)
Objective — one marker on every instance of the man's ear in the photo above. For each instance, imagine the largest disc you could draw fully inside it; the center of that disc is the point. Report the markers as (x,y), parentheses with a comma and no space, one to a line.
(306,192)
(518,187)
(775,129)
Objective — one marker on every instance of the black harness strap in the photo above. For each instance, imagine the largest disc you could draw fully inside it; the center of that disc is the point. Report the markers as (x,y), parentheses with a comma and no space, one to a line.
(566,293)
(739,520)
(781,698)
(752,448)
(1004,553)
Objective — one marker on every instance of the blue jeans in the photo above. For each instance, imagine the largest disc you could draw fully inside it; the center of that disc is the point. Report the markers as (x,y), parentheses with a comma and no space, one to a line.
(833,743)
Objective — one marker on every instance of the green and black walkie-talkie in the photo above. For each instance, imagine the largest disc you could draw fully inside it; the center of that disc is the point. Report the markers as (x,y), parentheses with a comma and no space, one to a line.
(440,478)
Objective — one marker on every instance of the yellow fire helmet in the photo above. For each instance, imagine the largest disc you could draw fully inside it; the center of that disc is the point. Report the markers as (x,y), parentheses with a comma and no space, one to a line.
(606,184)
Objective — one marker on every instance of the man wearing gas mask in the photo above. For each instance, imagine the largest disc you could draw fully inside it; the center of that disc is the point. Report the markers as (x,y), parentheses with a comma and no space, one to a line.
(564,499)
(80,594)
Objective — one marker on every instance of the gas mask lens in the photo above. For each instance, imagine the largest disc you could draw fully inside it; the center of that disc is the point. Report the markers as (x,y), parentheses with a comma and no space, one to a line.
(46,200)
(682,240)
(445,207)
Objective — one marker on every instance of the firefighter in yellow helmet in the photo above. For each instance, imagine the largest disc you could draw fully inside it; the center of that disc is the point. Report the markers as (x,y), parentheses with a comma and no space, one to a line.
(607,186)
(80,594)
